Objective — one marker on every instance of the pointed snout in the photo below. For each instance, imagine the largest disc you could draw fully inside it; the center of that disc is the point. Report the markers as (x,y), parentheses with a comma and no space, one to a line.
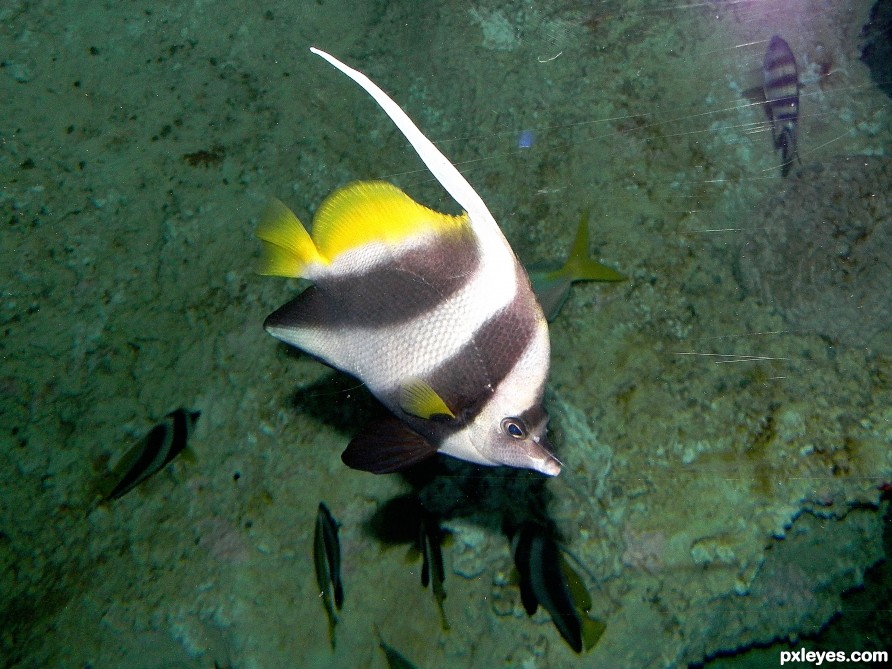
(542,459)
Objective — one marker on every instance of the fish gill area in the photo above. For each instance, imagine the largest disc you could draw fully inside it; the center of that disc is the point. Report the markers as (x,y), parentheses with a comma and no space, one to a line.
(724,415)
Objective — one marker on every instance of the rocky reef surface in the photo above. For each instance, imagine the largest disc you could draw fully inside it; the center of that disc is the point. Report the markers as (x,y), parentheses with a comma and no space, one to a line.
(724,462)
(821,251)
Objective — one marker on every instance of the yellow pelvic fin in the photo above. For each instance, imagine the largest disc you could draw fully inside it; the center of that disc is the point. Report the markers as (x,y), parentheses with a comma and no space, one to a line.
(580,266)
(287,246)
(417,398)
(375,211)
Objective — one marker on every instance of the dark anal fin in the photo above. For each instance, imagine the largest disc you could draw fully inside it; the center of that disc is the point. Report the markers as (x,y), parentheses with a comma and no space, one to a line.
(386,446)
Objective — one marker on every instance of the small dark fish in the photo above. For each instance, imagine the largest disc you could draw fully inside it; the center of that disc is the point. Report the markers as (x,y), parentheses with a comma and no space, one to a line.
(150,454)
(781,84)
(430,537)
(395,659)
(547,579)
(552,286)
(327,559)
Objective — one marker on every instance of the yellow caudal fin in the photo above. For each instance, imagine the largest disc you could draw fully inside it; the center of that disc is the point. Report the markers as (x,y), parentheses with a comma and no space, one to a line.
(553,287)
(375,211)
(287,246)
(580,266)
(592,631)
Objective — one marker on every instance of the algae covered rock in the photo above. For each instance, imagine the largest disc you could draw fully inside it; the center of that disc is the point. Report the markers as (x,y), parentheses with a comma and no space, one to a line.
(822,253)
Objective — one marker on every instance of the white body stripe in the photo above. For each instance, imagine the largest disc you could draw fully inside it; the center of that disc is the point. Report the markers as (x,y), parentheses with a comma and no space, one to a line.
(514,394)
(367,257)
(384,357)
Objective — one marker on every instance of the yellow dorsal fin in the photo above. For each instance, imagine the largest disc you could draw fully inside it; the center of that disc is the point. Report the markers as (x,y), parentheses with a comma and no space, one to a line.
(419,399)
(374,211)
(287,246)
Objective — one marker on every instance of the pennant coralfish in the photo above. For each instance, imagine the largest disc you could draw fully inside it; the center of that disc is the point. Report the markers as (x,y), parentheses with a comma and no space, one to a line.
(434,313)
(327,560)
(150,454)
(781,85)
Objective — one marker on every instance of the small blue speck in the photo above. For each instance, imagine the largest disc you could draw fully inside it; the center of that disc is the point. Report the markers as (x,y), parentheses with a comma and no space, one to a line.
(526,139)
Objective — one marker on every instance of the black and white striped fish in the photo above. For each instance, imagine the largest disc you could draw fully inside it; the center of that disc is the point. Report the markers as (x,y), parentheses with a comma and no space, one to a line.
(434,313)
(327,560)
(430,539)
(151,454)
(781,86)
(547,579)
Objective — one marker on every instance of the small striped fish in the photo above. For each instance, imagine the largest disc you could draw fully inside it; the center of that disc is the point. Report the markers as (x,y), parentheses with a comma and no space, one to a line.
(327,560)
(434,313)
(547,580)
(151,454)
(430,538)
(781,86)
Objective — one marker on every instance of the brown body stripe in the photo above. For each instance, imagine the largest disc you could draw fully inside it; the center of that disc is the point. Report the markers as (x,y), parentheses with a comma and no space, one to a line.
(784,84)
(778,55)
(780,79)
(467,379)
(790,103)
(163,443)
(416,282)
(781,85)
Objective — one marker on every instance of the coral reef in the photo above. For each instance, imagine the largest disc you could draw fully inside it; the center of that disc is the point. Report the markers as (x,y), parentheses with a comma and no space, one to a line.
(824,254)
(723,476)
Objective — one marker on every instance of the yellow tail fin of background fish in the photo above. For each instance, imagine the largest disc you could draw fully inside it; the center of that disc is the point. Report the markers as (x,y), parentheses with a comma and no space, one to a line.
(580,266)
(552,286)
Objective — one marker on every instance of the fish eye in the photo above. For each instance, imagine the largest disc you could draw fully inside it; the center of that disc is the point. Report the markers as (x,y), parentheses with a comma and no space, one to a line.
(515,427)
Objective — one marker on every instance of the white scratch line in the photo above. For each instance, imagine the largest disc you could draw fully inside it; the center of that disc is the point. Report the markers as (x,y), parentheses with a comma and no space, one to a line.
(730,357)
(747,358)
(548,60)
(754,334)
